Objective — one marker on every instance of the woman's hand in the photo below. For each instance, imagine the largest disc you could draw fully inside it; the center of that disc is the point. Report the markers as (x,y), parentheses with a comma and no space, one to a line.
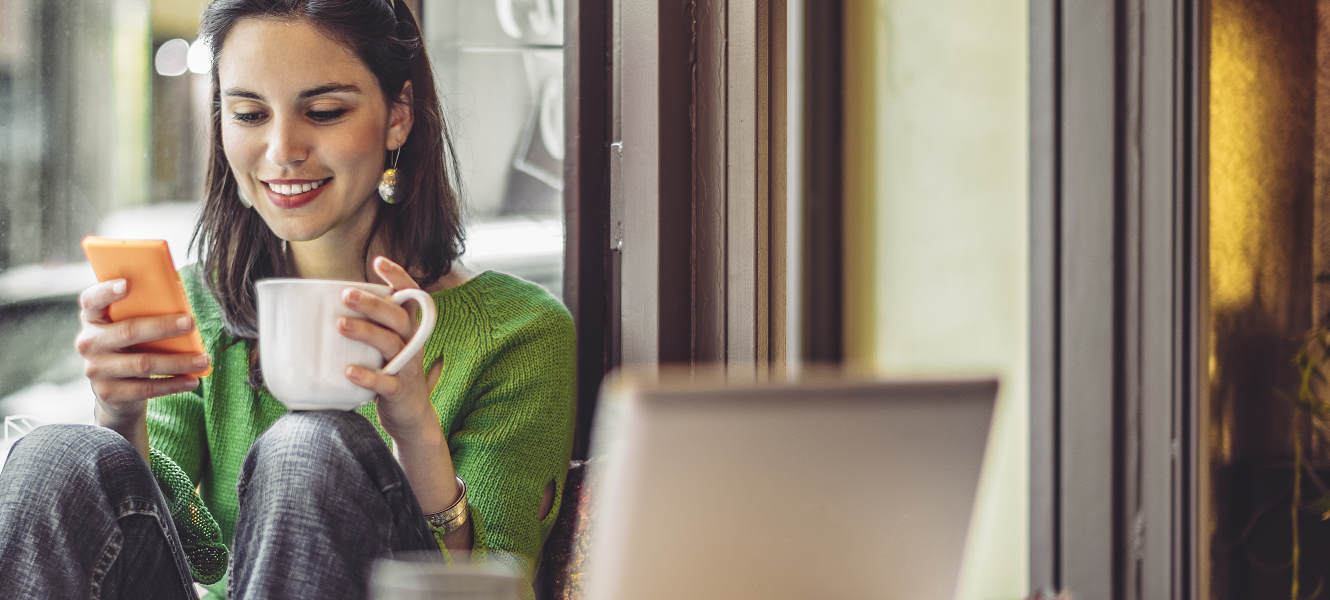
(122,380)
(403,403)
(403,399)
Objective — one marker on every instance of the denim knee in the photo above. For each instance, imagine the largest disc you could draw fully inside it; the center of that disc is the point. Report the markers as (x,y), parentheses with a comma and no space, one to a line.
(76,466)
(75,501)
(310,441)
(320,498)
(296,432)
(64,446)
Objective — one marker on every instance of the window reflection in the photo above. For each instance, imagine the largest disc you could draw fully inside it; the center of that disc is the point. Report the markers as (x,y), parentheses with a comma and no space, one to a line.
(499,66)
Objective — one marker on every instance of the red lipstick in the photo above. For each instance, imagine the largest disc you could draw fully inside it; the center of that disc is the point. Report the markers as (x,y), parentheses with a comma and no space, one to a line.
(297,200)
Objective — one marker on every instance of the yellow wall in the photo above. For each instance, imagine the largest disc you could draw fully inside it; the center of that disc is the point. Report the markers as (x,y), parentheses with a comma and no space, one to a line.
(176,18)
(937,228)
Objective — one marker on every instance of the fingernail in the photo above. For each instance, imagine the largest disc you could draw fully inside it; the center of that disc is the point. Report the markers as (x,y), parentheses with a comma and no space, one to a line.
(184,322)
(201,361)
(344,324)
(352,373)
(118,287)
(353,296)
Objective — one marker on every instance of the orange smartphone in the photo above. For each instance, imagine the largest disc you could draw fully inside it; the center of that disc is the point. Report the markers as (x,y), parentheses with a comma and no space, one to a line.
(154,288)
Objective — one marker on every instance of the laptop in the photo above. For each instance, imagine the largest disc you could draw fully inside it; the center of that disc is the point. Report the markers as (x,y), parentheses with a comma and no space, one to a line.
(826,487)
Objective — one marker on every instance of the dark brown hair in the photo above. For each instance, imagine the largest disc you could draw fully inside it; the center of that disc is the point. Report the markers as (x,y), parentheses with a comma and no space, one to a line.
(422,231)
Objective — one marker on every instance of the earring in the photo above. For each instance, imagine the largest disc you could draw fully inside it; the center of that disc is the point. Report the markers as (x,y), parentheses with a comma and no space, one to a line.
(388,185)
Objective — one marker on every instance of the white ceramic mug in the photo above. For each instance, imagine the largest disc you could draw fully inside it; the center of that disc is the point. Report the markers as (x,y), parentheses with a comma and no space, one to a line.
(303,354)
(419,576)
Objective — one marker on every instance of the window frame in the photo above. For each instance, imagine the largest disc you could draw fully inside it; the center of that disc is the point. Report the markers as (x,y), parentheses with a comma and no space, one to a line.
(1116,298)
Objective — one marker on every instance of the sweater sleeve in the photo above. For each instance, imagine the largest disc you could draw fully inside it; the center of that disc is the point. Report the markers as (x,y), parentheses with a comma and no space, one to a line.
(517,437)
(175,434)
(178,452)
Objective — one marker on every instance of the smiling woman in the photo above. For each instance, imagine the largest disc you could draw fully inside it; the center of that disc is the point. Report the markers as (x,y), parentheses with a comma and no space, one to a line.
(295,106)
(312,103)
(285,143)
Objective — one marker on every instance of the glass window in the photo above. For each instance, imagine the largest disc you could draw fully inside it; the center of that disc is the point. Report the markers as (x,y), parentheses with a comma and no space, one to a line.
(499,68)
(104,129)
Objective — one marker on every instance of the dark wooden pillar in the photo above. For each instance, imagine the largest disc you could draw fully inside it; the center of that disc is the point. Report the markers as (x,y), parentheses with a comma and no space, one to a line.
(699,196)
(586,199)
(1114,335)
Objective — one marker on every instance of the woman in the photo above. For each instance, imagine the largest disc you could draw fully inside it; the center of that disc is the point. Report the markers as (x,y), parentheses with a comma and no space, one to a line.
(312,101)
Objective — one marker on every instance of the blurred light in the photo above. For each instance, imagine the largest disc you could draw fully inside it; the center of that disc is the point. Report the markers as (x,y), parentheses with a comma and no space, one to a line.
(171,58)
(200,57)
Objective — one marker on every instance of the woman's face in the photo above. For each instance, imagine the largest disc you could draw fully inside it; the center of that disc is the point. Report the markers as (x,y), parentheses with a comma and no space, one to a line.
(304,127)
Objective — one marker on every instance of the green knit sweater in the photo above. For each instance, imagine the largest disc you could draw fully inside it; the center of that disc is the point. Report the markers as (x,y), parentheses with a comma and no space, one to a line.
(505,399)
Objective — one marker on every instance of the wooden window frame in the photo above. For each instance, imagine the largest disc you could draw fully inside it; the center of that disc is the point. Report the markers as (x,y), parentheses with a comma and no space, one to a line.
(698,181)
(1116,214)
(588,261)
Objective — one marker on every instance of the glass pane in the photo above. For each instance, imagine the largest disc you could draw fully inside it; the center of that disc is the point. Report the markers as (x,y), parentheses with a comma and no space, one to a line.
(77,101)
(499,68)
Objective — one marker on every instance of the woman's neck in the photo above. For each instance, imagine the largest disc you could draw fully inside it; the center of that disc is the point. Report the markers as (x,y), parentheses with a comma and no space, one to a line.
(338,254)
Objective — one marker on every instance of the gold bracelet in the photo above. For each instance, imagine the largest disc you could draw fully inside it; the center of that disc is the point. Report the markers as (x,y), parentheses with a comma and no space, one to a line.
(452,518)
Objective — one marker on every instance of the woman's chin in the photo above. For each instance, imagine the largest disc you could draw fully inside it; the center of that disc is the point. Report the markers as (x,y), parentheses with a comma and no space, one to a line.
(298,232)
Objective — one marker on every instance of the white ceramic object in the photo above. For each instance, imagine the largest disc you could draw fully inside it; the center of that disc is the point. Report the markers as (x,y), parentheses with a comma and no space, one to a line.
(419,576)
(304,356)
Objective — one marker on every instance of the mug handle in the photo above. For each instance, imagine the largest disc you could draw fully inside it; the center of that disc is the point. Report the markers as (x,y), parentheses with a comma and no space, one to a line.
(423,331)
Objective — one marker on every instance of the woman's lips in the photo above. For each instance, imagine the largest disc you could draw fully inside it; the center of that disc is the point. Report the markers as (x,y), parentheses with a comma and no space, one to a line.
(293,201)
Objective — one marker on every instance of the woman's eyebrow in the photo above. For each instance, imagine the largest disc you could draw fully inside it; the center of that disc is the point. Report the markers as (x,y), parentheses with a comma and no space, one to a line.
(329,88)
(239,93)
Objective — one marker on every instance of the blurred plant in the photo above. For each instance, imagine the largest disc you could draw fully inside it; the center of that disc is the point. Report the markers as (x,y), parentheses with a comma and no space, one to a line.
(1313,364)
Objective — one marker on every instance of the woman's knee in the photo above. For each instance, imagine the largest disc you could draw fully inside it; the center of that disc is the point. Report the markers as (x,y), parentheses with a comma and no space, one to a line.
(55,461)
(314,449)
(298,432)
(50,446)
(308,439)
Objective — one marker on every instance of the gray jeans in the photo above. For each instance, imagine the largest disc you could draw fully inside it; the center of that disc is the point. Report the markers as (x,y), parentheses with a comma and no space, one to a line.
(321,497)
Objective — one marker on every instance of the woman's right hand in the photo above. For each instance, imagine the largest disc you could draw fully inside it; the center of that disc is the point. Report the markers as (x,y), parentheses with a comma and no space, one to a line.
(123,380)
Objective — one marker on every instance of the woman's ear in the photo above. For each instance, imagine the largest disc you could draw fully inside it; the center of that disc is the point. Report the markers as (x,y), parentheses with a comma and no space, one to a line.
(401,117)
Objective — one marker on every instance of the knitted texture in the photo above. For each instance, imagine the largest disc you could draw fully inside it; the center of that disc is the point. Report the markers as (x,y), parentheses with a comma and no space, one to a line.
(505,397)
(197,529)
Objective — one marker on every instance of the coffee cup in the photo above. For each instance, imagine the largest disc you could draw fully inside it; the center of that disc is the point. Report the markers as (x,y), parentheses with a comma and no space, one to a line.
(425,576)
(304,355)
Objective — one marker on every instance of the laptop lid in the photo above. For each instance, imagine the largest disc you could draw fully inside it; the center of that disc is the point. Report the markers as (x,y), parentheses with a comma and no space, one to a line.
(834,488)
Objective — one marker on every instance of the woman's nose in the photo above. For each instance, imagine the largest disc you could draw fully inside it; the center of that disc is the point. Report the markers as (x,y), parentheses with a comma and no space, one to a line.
(286,143)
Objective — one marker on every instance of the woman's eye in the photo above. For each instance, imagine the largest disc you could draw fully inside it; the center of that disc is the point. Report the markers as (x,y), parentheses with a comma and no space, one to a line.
(249,118)
(326,115)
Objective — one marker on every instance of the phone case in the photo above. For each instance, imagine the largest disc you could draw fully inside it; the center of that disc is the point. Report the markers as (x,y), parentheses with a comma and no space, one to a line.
(154,288)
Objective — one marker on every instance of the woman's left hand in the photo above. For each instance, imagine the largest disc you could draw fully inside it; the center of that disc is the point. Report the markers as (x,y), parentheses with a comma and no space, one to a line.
(403,403)
(403,399)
